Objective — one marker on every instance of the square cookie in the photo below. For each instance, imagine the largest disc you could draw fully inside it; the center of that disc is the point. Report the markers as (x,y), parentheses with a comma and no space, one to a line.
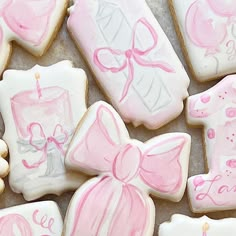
(207,31)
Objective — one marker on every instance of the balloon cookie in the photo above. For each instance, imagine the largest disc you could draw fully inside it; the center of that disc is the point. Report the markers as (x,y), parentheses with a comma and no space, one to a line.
(215,110)
(207,31)
(204,226)
(41,109)
(4,167)
(39,218)
(117,201)
(32,24)
(131,58)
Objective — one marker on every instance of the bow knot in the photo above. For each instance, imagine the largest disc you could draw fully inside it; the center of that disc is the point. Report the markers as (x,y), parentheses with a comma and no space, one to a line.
(133,53)
(40,142)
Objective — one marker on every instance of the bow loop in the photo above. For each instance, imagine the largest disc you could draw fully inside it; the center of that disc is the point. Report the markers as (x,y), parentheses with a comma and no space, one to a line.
(161,168)
(124,59)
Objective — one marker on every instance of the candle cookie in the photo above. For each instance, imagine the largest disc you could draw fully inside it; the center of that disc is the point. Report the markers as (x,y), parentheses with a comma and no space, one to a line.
(207,31)
(4,167)
(117,201)
(32,24)
(41,109)
(131,58)
(215,110)
(39,218)
(204,226)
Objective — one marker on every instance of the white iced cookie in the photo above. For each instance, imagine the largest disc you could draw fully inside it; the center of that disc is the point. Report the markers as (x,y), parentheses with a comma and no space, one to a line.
(215,110)
(131,58)
(41,109)
(207,31)
(39,218)
(32,24)
(181,225)
(117,201)
(4,167)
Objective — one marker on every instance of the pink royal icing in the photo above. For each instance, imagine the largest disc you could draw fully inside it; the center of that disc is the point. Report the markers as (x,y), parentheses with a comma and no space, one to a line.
(215,190)
(128,169)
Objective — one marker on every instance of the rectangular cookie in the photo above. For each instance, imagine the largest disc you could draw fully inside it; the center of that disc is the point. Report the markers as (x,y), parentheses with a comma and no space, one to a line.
(131,58)
(39,218)
(207,32)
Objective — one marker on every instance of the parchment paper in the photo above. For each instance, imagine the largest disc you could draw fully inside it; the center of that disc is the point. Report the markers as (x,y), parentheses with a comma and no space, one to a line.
(64,48)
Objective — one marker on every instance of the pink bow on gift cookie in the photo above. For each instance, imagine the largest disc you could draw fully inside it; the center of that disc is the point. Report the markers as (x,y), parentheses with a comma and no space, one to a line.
(133,54)
(128,169)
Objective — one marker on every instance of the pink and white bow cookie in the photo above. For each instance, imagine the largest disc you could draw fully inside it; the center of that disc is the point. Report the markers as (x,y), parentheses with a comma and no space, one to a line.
(116,202)
(30,23)
(134,54)
(4,167)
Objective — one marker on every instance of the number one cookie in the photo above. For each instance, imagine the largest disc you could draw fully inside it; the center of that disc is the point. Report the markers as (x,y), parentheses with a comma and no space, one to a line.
(117,202)
(132,59)
(215,109)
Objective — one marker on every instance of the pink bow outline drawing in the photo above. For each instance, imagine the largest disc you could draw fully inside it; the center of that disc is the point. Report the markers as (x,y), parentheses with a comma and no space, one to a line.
(28,19)
(129,55)
(40,142)
(123,167)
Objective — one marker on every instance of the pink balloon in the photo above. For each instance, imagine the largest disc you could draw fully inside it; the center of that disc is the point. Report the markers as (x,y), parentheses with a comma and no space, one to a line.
(202,29)
(225,8)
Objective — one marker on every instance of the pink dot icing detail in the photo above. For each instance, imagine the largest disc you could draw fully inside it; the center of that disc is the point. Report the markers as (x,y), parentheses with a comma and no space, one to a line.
(198,181)
(231,163)
(211,133)
(205,98)
(231,112)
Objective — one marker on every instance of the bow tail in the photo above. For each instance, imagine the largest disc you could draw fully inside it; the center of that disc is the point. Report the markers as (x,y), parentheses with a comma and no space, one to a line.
(38,163)
(132,215)
(129,81)
(92,208)
(155,64)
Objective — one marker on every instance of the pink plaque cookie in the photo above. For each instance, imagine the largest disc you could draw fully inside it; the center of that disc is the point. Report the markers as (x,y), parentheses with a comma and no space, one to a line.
(132,59)
(34,219)
(181,225)
(215,110)
(31,23)
(208,34)
(41,109)
(117,201)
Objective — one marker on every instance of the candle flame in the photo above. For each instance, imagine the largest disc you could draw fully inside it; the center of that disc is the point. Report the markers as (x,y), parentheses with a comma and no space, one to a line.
(205,227)
(37,76)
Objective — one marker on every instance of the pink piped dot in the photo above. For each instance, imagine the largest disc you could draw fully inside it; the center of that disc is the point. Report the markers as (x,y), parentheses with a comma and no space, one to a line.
(231,112)
(211,133)
(198,181)
(205,98)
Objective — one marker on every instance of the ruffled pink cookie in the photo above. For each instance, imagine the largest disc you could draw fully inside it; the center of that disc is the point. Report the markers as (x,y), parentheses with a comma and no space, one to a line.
(117,201)
(32,24)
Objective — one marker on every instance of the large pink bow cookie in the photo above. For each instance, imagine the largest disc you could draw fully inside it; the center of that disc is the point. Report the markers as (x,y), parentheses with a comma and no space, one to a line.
(4,167)
(117,202)
(30,23)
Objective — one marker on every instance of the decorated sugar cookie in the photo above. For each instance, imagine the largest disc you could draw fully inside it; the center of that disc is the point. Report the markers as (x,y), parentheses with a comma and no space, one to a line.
(215,110)
(204,226)
(39,218)
(41,109)
(208,34)
(31,23)
(117,201)
(132,59)
(4,167)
